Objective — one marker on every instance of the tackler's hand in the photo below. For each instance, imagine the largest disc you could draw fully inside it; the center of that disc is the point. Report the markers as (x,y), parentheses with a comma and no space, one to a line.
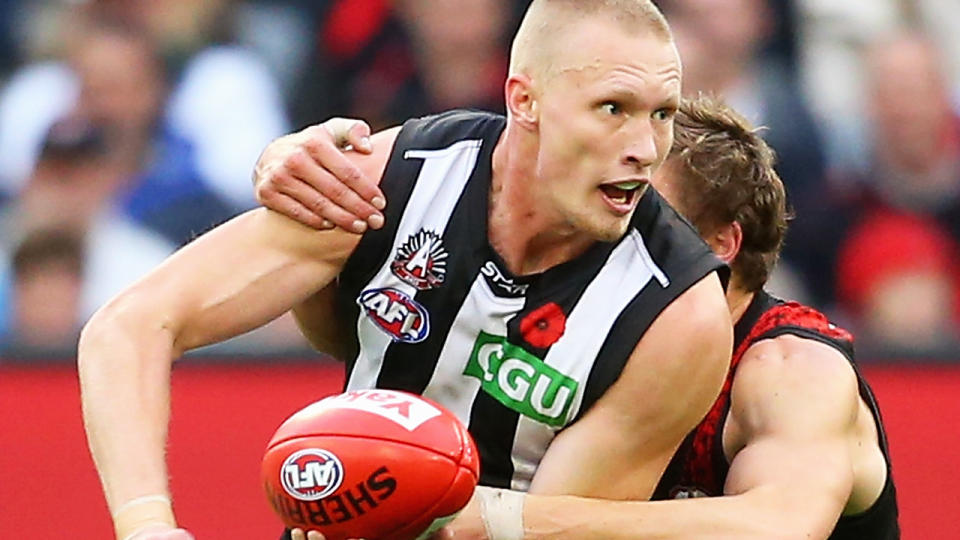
(298,534)
(307,177)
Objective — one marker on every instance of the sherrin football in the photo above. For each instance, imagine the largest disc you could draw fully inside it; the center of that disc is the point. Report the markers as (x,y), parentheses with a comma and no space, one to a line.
(373,464)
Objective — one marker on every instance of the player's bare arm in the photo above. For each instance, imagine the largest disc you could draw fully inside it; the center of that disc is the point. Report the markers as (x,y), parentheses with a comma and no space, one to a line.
(316,318)
(311,177)
(797,426)
(623,444)
(235,278)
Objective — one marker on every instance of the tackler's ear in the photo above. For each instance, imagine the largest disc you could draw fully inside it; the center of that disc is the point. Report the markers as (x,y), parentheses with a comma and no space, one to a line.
(726,241)
(523,104)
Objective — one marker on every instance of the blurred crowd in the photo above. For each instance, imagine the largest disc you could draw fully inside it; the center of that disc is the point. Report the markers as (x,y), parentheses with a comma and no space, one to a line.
(128,127)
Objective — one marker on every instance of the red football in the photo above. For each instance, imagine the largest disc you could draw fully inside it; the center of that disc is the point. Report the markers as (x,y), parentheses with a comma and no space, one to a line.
(374,464)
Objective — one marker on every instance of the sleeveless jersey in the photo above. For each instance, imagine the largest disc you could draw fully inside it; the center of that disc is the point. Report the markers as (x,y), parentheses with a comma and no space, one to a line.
(699,467)
(435,311)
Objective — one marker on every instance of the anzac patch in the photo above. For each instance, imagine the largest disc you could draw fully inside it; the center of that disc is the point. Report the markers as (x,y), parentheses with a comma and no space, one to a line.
(421,261)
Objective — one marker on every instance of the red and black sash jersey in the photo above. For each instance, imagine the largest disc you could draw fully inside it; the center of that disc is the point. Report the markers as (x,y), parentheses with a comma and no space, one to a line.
(699,467)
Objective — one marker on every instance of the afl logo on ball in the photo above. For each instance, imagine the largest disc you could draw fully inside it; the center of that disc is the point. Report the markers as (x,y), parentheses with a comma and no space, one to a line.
(311,474)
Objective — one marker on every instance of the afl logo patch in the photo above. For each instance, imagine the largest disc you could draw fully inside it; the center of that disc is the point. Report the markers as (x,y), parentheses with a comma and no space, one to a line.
(421,261)
(311,474)
(400,316)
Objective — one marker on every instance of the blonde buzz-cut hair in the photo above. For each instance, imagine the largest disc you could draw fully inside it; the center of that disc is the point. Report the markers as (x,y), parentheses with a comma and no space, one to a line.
(542,29)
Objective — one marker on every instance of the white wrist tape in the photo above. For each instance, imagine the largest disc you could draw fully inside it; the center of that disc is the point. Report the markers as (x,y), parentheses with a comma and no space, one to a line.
(147,526)
(137,501)
(142,513)
(502,513)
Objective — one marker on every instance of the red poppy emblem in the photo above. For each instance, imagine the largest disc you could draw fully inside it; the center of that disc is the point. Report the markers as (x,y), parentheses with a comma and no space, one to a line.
(543,326)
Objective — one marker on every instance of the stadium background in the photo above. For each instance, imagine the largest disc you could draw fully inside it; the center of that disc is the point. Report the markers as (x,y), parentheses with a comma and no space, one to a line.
(126,128)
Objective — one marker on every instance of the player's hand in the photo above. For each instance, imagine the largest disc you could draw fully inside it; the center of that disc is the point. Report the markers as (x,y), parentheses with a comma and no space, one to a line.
(307,177)
(297,534)
(161,532)
(468,525)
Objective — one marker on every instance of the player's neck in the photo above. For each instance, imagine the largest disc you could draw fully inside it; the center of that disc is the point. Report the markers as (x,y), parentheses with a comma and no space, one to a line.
(738,299)
(525,233)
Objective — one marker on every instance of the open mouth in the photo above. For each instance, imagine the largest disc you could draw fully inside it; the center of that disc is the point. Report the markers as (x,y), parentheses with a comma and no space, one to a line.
(622,196)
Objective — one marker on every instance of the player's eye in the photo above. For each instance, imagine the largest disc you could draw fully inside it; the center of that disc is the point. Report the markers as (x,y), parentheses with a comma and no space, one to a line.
(664,114)
(611,107)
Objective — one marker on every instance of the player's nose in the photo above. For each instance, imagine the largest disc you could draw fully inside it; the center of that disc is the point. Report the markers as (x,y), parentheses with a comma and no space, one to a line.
(640,150)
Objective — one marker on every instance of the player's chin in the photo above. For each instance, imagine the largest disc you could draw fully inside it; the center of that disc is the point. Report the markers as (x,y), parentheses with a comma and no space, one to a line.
(612,228)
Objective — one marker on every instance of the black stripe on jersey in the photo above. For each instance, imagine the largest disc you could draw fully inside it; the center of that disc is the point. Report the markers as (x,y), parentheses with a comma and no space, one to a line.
(493,427)
(678,250)
(403,365)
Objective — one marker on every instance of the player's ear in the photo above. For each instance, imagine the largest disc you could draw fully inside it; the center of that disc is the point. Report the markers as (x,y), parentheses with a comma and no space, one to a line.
(522,101)
(726,241)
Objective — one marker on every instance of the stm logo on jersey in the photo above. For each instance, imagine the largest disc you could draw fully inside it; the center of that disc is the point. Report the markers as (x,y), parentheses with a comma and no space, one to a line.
(520,380)
(400,316)
(311,474)
(507,285)
(421,261)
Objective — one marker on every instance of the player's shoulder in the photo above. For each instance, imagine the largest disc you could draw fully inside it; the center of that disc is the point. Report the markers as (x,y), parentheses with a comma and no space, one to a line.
(794,336)
(799,321)
(791,384)
(672,243)
(795,354)
(441,130)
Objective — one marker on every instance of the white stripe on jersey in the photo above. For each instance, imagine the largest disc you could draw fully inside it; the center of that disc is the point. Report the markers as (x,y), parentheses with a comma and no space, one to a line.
(481,311)
(442,178)
(628,270)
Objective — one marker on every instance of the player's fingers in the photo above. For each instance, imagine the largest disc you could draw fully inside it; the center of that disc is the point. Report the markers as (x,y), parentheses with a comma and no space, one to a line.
(358,136)
(280,201)
(341,180)
(314,535)
(297,534)
(319,207)
(318,186)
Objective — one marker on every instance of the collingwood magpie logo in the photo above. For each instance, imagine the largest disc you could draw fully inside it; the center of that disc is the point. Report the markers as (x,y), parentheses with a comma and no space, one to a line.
(421,261)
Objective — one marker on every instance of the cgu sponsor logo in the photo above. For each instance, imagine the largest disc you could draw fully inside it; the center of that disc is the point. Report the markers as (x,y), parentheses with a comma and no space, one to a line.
(492,272)
(520,380)
(311,474)
(400,316)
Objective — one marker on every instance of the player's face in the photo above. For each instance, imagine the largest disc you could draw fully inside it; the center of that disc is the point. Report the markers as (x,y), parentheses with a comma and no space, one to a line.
(606,124)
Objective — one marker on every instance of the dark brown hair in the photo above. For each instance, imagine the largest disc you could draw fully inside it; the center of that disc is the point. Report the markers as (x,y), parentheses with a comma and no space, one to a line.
(728,176)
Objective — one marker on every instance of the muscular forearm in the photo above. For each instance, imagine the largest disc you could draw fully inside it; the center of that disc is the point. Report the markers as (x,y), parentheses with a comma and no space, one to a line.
(751,515)
(124,367)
